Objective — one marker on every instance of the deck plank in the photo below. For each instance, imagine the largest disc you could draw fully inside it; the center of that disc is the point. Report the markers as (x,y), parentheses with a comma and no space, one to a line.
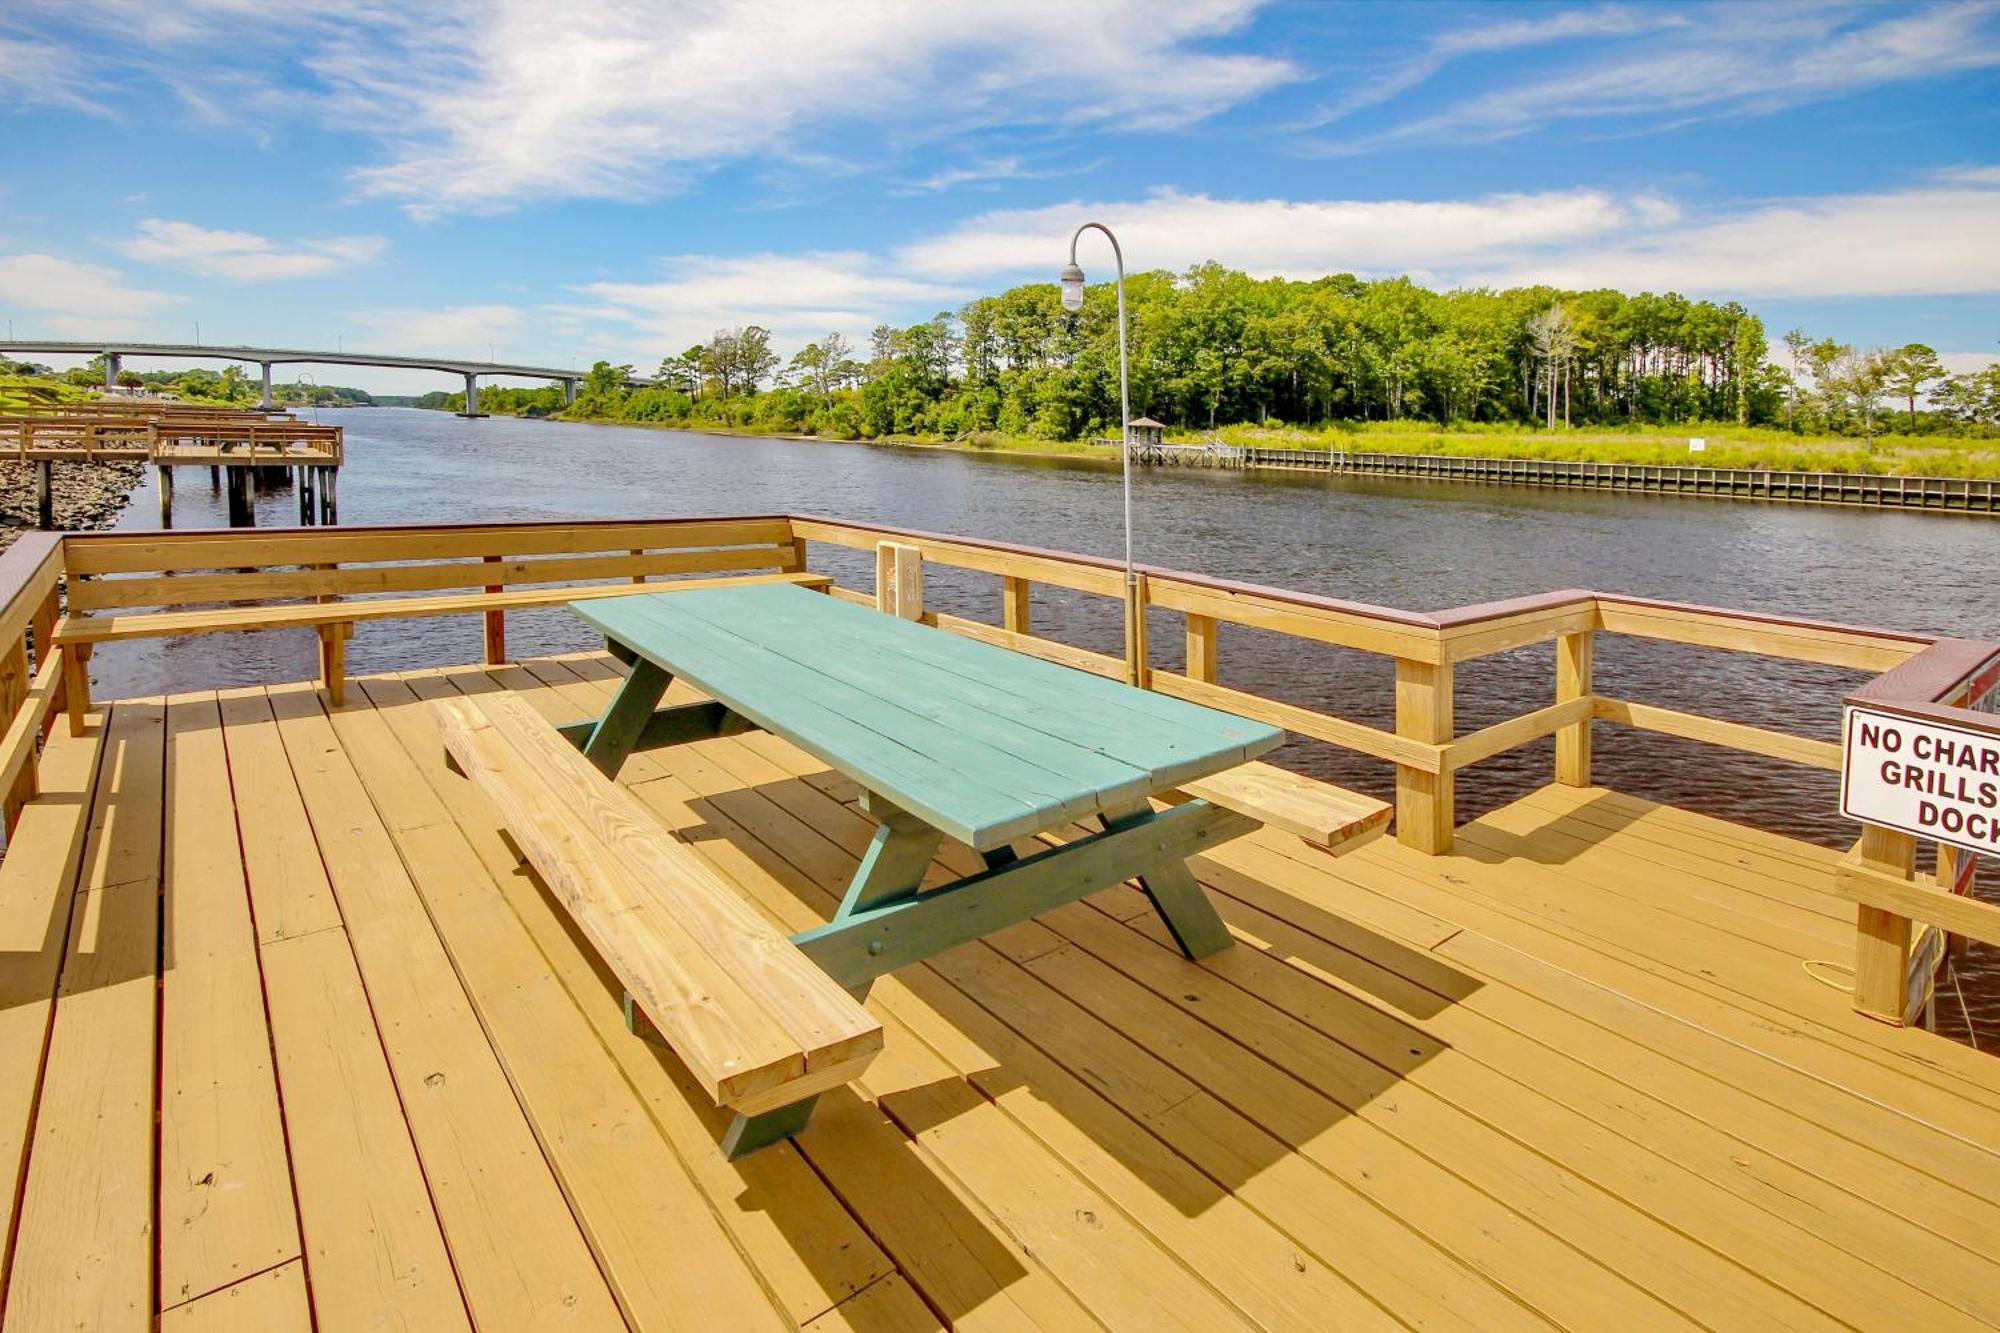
(809,1249)
(225,1197)
(515,1245)
(1570,1073)
(84,1259)
(37,885)
(629,1190)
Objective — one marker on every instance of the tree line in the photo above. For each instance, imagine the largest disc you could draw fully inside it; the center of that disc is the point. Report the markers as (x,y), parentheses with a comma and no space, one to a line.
(1214,347)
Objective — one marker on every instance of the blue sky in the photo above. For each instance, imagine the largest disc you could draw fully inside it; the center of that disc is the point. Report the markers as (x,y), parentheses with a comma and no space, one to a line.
(563,182)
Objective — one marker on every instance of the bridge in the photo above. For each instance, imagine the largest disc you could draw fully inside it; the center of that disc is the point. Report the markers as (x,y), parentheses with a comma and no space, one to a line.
(114,354)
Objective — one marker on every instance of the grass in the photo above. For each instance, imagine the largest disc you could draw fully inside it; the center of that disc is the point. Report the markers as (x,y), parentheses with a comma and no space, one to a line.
(1728,446)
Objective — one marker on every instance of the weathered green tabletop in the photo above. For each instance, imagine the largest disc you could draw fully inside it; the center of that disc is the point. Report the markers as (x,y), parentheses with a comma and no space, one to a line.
(945,736)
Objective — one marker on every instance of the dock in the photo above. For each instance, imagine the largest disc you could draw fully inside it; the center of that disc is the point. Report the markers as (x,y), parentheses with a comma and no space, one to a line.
(1961,495)
(242,448)
(1585,1061)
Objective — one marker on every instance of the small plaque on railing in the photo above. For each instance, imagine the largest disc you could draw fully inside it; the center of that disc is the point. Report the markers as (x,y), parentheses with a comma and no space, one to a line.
(1926,778)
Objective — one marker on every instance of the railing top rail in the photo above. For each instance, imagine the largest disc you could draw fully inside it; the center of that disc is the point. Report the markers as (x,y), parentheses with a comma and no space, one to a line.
(257,535)
(1931,685)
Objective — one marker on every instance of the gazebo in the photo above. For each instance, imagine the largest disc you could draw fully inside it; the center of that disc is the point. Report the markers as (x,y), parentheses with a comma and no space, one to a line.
(1145,430)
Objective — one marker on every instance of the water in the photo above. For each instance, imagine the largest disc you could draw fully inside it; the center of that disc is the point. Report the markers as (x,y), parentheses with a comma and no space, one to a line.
(1415,545)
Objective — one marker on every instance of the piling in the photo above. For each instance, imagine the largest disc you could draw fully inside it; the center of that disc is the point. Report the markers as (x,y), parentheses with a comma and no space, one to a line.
(242,514)
(45,497)
(166,496)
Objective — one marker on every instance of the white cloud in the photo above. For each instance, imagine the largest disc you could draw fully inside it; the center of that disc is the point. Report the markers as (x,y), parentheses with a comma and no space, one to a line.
(79,299)
(1731,59)
(34,73)
(798,297)
(1488,38)
(246,256)
(1922,240)
(1906,243)
(1271,237)
(482,107)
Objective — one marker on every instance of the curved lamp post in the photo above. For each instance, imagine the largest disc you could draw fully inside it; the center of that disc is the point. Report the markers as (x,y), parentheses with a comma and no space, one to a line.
(1072,299)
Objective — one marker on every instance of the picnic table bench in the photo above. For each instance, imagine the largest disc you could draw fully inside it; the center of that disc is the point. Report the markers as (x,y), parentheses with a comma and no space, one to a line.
(944,736)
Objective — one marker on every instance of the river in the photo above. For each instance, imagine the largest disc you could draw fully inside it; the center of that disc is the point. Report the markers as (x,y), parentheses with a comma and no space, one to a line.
(1416,545)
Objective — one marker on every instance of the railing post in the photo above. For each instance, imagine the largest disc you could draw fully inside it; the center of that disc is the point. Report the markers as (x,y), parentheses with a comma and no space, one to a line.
(1882,938)
(1424,800)
(496,625)
(1575,657)
(13,693)
(1014,603)
(1201,648)
(899,580)
(1138,671)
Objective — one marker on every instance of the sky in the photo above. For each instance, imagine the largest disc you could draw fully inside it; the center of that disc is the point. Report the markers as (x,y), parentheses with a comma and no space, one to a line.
(613,179)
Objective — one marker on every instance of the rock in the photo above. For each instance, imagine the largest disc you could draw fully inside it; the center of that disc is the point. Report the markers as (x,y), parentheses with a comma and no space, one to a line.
(88,496)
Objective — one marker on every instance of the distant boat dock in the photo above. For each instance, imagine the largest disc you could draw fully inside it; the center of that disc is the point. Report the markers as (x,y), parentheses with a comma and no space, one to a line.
(242,449)
(1961,495)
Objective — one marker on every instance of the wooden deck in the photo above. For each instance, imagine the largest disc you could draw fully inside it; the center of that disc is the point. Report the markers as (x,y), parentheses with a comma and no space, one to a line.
(288,1041)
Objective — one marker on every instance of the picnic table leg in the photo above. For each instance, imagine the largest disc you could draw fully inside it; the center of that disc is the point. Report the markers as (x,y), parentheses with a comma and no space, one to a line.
(612,739)
(1178,897)
(892,867)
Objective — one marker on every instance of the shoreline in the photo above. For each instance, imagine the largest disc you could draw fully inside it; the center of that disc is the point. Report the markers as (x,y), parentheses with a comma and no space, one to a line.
(88,497)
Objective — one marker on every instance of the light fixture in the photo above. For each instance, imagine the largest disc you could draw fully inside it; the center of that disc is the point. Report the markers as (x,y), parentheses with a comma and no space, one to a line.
(1072,288)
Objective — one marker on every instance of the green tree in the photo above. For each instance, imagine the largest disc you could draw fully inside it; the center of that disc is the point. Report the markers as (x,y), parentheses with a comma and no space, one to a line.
(1907,370)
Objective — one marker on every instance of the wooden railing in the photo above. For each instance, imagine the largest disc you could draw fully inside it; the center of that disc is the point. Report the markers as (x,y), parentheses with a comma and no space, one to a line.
(30,664)
(1903,927)
(111,574)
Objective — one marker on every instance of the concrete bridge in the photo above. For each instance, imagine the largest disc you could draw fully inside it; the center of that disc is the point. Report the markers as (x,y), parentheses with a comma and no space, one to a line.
(114,354)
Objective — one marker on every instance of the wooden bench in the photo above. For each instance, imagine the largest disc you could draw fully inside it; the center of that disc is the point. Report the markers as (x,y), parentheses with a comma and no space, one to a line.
(334,622)
(1331,818)
(759,1026)
(155,585)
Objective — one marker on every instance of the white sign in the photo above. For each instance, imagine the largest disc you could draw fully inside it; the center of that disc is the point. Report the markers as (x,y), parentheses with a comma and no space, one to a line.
(1930,779)
(1696,444)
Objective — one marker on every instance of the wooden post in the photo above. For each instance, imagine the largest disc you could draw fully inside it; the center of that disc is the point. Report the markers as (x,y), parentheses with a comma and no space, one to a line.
(1575,659)
(166,496)
(1138,671)
(301,484)
(1201,648)
(45,496)
(236,483)
(638,578)
(798,565)
(13,693)
(1014,603)
(214,477)
(1882,938)
(76,684)
(331,485)
(333,662)
(899,580)
(42,626)
(1424,800)
(496,625)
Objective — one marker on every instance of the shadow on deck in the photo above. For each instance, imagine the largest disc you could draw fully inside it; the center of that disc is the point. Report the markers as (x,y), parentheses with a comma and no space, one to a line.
(1576,1072)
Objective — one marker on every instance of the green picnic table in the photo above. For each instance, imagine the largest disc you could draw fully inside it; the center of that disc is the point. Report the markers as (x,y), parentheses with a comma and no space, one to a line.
(944,735)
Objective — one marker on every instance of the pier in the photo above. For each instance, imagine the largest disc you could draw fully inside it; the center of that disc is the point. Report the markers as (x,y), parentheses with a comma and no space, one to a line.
(243,449)
(1586,1060)
(1963,495)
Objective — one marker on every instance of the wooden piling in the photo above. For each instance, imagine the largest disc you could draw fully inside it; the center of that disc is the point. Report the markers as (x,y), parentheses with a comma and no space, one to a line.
(166,496)
(45,498)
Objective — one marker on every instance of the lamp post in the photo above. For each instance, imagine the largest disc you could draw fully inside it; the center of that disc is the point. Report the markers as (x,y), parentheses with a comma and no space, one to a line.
(1072,299)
